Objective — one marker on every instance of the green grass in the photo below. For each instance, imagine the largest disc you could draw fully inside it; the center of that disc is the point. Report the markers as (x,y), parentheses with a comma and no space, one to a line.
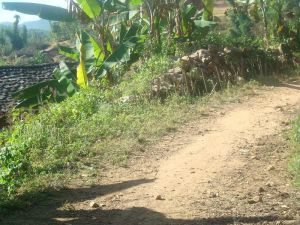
(295,158)
(92,129)
(2,62)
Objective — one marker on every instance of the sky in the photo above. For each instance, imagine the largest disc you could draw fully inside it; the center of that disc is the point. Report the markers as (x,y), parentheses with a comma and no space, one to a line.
(8,16)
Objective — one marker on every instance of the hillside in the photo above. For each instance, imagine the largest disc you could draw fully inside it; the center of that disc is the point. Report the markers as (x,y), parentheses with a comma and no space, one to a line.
(38,25)
(43,25)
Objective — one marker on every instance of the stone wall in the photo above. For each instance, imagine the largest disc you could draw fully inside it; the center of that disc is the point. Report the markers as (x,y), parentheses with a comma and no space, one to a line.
(207,70)
(15,78)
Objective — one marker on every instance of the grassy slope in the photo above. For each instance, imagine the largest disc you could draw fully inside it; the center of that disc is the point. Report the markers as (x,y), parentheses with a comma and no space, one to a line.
(95,128)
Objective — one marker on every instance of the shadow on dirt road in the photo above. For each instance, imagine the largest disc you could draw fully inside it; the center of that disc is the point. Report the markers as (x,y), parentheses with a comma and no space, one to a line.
(53,214)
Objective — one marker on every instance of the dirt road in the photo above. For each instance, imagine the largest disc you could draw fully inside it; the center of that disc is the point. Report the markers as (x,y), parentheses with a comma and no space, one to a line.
(228,168)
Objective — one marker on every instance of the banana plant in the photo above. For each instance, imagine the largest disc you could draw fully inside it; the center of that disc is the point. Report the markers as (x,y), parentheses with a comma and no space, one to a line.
(110,32)
(82,77)
(66,82)
(57,89)
(106,18)
(193,22)
(92,53)
(208,9)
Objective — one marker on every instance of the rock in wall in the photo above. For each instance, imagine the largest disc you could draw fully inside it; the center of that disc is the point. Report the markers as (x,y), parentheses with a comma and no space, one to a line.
(208,69)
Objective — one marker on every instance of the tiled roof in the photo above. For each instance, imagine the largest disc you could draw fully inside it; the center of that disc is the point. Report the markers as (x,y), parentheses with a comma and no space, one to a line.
(15,78)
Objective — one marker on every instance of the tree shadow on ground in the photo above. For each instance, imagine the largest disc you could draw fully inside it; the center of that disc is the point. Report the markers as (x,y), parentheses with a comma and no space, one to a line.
(133,216)
(144,216)
(51,212)
(292,83)
(46,203)
(289,85)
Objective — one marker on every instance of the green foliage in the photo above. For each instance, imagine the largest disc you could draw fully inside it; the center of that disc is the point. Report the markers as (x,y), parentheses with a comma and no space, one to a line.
(15,40)
(59,136)
(93,126)
(295,160)
(208,9)
(2,63)
(62,31)
(56,90)
(241,23)
(87,123)
(24,35)
(46,12)
(40,58)
(89,53)
(277,21)
(154,16)
(92,8)
(14,36)
(14,165)
(193,23)
(4,47)
(2,38)
(144,71)
(227,40)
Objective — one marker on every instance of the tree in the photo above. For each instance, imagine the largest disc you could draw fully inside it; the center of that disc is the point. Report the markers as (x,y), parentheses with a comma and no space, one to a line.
(241,22)
(2,38)
(14,35)
(16,24)
(24,34)
(62,31)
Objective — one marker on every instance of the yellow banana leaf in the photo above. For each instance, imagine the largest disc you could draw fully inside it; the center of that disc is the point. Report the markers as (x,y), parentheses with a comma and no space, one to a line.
(82,79)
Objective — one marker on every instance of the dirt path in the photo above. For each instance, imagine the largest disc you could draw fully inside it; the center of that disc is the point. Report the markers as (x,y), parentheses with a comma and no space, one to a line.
(220,7)
(228,168)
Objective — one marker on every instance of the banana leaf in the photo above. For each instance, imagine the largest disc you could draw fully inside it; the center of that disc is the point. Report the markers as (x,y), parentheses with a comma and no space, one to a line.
(82,79)
(203,23)
(92,8)
(128,41)
(54,90)
(208,9)
(46,12)
(71,53)
(33,90)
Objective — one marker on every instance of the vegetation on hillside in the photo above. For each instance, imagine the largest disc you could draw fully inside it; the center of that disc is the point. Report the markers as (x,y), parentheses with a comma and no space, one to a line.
(295,159)
(102,108)
(43,150)
(20,46)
